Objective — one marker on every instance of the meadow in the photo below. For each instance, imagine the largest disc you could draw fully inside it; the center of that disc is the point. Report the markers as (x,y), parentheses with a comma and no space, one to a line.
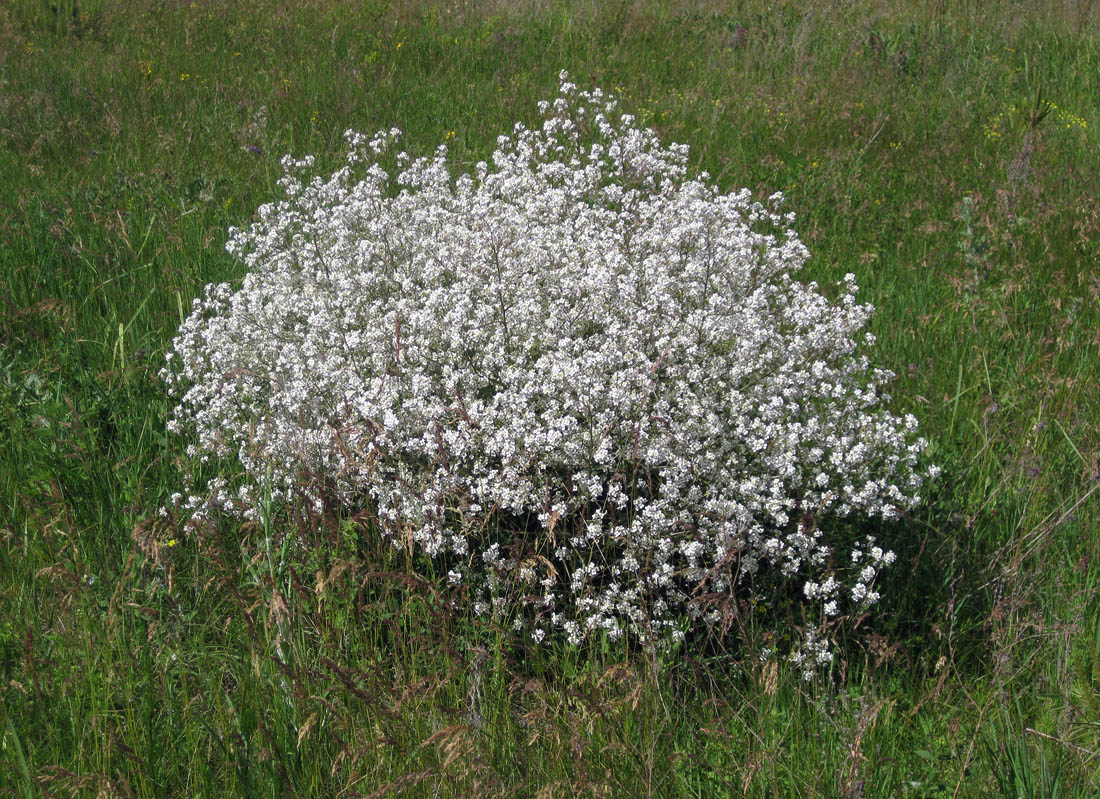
(946,153)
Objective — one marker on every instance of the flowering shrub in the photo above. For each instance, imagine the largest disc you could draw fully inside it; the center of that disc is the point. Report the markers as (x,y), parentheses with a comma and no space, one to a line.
(582,381)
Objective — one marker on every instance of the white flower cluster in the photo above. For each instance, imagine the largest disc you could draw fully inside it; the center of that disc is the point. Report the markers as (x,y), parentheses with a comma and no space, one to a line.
(580,379)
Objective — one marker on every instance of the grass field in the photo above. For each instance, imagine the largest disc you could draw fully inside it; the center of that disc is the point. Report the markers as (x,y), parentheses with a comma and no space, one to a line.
(946,153)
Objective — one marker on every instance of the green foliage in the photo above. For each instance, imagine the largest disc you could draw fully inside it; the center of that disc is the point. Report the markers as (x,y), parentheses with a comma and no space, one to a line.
(59,17)
(135,662)
(1018,772)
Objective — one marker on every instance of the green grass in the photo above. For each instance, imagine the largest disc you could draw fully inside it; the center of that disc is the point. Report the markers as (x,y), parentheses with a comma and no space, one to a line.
(912,142)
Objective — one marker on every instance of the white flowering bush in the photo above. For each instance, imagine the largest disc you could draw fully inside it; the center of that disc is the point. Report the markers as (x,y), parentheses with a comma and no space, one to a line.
(581,381)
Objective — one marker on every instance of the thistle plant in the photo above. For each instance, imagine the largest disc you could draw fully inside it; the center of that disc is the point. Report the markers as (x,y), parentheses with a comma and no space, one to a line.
(580,381)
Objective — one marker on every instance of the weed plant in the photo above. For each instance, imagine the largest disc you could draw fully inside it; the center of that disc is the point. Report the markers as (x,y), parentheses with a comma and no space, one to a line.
(581,382)
(941,153)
